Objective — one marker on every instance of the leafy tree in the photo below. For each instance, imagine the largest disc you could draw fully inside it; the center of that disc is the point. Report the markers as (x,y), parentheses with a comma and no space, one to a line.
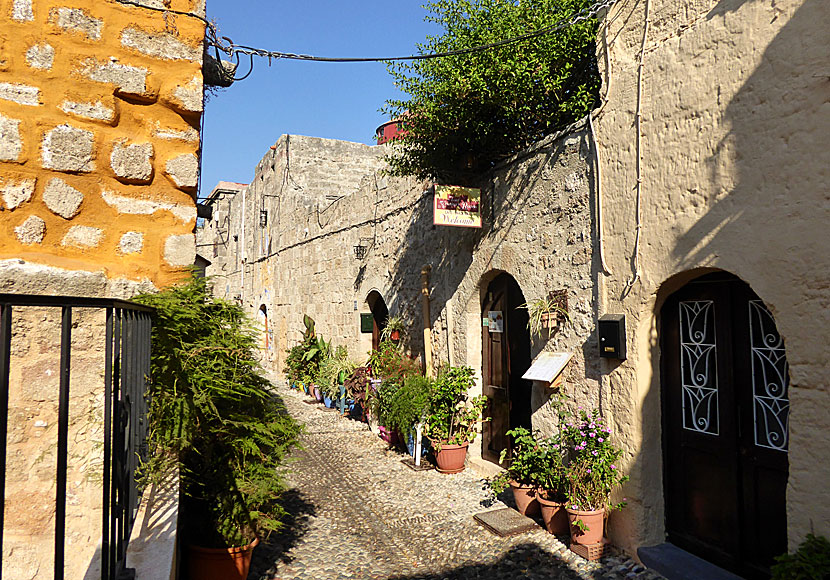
(466,112)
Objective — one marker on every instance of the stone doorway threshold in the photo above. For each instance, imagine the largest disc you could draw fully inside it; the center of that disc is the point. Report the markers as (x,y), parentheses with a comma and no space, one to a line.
(677,564)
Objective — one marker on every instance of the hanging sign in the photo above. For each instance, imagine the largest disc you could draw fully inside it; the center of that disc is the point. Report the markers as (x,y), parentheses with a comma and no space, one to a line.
(547,366)
(457,206)
(496,319)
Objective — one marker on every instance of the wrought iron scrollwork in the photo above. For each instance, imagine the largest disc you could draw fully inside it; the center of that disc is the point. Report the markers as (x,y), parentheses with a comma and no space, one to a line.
(698,366)
(770,379)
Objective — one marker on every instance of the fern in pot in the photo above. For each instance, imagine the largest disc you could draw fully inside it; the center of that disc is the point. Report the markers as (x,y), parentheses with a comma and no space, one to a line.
(213,416)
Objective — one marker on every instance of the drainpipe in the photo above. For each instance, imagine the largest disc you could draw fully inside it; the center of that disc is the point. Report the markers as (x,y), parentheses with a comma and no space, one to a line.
(427,324)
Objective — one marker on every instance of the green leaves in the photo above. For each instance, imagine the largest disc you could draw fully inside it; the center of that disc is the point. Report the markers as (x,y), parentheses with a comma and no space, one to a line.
(212,413)
(467,112)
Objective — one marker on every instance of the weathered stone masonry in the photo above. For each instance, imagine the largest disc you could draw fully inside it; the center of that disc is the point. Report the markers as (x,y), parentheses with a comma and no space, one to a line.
(100,105)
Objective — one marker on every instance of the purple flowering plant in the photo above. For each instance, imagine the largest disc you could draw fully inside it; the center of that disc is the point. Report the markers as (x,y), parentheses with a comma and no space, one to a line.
(592,463)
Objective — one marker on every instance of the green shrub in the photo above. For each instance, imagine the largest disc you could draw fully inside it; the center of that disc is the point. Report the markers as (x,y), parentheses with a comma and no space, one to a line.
(810,562)
(211,412)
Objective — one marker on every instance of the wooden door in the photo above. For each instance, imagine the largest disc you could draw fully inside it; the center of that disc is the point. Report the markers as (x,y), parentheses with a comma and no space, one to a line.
(725,425)
(496,381)
(506,357)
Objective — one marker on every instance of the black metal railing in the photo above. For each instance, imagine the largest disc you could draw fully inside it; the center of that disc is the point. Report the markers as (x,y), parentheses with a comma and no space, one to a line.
(126,366)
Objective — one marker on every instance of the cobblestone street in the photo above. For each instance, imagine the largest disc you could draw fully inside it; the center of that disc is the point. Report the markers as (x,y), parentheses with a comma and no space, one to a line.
(356,511)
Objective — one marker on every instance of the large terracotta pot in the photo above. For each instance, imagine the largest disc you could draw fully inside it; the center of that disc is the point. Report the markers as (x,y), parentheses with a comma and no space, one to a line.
(595,520)
(525,497)
(219,563)
(450,458)
(554,515)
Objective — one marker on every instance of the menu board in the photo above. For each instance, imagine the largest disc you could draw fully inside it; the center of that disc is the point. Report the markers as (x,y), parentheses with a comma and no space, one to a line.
(547,366)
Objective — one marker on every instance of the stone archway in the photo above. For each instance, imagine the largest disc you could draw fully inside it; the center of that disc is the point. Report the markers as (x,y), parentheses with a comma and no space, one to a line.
(724,390)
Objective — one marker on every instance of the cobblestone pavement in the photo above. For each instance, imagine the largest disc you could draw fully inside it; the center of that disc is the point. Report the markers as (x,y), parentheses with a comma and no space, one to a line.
(357,512)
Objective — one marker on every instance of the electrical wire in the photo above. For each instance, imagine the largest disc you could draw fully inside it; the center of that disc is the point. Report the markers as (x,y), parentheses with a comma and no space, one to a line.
(234,50)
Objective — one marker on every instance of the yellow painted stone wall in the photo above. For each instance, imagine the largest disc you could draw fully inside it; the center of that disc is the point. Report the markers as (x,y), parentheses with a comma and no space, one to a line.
(100,108)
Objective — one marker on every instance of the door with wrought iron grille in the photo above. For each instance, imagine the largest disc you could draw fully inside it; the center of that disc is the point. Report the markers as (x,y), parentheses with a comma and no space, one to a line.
(725,425)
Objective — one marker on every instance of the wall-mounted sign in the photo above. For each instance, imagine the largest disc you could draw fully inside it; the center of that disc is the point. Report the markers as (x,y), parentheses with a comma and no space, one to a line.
(547,366)
(457,206)
(496,319)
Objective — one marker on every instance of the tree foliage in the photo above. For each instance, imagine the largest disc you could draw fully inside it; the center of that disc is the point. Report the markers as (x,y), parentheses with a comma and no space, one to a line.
(465,113)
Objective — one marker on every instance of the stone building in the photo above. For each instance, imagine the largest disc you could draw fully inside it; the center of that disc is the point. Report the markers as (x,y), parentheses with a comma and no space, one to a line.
(694,203)
(100,108)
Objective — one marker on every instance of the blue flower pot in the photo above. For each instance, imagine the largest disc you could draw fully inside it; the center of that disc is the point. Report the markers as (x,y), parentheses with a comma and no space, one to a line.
(327,401)
(410,445)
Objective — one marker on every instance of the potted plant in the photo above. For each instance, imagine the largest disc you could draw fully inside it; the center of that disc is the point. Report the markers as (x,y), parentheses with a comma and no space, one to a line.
(409,405)
(358,387)
(523,473)
(546,313)
(212,415)
(451,424)
(394,329)
(592,474)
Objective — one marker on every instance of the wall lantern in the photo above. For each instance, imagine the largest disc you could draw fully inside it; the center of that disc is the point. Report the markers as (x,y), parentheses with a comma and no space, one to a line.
(360,251)
(263,218)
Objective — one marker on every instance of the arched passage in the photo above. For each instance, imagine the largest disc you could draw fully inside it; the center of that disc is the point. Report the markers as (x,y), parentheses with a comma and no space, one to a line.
(380,314)
(724,382)
(505,357)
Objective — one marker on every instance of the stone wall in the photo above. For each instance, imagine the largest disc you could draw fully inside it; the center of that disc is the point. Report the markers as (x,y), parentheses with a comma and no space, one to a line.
(325,197)
(735,156)
(100,104)
(100,108)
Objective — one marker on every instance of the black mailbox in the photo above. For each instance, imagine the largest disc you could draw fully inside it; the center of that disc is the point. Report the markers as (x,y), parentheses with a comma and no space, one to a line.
(611,329)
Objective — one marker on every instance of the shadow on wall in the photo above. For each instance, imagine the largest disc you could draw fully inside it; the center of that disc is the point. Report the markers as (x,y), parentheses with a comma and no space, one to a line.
(452,251)
(778,149)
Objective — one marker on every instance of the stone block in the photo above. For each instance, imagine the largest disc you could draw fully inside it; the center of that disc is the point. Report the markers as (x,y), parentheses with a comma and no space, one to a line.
(131,205)
(20,94)
(83,237)
(22,10)
(133,162)
(16,192)
(188,98)
(129,80)
(62,199)
(131,243)
(77,20)
(168,134)
(40,56)
(68,148)
(96,111)
(183,170)
(162,45)
(31,231)
(180,250)
(11,143)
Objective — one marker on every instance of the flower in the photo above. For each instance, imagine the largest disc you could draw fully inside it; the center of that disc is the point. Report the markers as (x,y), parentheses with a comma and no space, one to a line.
(594,452)
(592,434)
(588,470)
(612,466)
(600,439)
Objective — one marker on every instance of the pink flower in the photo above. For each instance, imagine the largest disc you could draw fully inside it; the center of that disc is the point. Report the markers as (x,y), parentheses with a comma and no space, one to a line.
(613,467)
(592,434)
(588,470)
(594,452)
(600,439)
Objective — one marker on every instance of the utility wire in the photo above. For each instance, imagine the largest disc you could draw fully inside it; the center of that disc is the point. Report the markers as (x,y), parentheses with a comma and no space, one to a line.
(227,46)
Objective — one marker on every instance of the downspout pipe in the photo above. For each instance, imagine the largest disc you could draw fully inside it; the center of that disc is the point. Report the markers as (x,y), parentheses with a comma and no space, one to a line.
(425,272)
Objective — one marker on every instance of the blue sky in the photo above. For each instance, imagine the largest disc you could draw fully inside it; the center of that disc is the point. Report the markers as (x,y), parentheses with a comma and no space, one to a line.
(337,101)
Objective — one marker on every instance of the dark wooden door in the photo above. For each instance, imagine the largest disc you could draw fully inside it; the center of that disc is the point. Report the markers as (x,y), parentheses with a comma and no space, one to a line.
(496,381)
(506,358)
(725,425)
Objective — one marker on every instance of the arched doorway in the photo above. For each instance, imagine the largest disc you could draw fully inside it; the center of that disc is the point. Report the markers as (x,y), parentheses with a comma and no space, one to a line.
(506,357)
(380,314)
(725,425)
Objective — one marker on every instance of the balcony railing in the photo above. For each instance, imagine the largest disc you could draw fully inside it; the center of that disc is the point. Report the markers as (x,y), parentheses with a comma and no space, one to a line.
(126,364)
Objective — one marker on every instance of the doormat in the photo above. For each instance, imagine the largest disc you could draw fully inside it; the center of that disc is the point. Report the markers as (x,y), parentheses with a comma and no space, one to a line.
(410,463)
(505,522)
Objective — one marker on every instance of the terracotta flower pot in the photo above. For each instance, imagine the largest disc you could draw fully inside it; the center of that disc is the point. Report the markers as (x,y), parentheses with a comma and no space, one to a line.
(450,458)
(525,497)
(219,563)
(595,520)
(554,515)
